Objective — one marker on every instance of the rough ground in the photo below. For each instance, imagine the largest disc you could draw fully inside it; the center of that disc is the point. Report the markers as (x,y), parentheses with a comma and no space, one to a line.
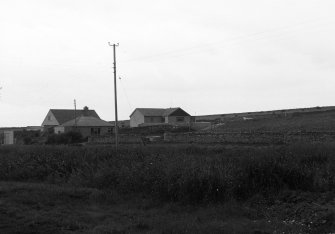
(43,208)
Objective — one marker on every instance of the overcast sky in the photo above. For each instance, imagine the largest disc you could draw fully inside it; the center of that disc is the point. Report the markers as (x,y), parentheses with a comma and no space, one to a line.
(208,57)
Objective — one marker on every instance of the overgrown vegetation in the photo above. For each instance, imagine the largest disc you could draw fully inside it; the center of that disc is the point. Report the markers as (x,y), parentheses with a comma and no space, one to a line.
(71,137)
(192,174)
(28,137)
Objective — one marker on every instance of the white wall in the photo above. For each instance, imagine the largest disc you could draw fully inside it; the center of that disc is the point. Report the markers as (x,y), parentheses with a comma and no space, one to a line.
(50,122)
(136,119)
(59,129)
(173,120)
(8,137)
(153,119)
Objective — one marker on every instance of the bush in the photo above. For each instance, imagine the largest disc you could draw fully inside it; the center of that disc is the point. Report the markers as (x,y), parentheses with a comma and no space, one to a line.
(27,137)
(71,137)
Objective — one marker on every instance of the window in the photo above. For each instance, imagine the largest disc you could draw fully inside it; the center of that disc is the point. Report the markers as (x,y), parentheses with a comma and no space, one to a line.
(151,119)
(180,119)
(49,117)
(95,131)
(109,130)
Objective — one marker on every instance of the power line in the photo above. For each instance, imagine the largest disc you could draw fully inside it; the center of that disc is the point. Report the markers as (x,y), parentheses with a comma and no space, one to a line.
(125,93)
(235,40)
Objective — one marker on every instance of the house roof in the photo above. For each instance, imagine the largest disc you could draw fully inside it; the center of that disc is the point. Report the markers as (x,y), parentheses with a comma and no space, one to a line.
(150,111)
(87,121)
(64,115)
(157,111)
(169,111)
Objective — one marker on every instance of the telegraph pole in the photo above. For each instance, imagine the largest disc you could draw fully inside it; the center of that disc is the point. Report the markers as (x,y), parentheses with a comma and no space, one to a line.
(115,97)
(75,113)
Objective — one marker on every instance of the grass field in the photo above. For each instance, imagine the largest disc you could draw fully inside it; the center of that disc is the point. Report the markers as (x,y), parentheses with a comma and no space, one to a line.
(309,121)
(168,189)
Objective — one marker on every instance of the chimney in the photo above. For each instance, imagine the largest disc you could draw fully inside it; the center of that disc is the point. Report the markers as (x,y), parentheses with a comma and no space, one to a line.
(85,111)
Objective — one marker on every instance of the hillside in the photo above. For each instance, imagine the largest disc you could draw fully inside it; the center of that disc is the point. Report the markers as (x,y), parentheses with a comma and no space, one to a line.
(309,120)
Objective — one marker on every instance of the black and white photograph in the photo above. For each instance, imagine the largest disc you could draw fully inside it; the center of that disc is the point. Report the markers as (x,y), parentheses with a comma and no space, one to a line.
(167,117)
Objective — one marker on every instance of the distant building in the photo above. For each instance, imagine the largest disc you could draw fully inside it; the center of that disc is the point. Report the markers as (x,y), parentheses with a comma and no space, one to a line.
(156,116)
(7,137)
(121,123)
(56,117)
(87,126)
(15,135)
(34,128)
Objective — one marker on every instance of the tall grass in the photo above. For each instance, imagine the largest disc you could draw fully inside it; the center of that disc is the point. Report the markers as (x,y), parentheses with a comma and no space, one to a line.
(177,173)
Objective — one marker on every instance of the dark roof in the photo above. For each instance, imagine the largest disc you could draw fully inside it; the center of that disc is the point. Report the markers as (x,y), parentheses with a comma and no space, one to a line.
(169,111)
(158,111)
(63,115)
(150,111)
(176,112)
(87,121)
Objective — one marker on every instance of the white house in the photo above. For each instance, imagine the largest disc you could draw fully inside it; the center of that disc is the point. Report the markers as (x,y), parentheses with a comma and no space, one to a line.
(56,117)
(156,116)
(87,126)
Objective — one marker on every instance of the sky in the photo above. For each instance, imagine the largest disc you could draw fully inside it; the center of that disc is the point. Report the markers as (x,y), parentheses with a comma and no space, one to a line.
(207,57)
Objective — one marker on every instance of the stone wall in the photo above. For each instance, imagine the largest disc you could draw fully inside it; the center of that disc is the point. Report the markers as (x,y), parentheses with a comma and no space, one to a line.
(250,137)
(220,138)
(123,139)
